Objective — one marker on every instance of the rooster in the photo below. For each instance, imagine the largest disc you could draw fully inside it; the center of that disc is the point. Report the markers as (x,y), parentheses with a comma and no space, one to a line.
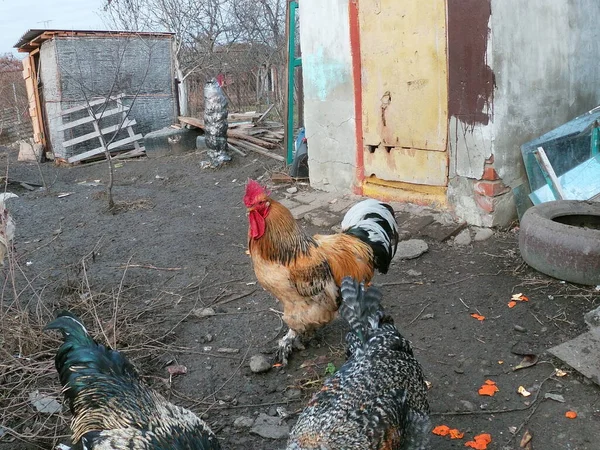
(304,273)
(378,398)
(7,226)
(111,407)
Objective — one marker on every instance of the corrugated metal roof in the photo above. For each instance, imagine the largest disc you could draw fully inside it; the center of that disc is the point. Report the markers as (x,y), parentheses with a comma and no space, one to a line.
(41,35)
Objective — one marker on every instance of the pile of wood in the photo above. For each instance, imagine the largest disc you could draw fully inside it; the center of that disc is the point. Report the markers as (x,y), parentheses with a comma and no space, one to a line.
(249,132)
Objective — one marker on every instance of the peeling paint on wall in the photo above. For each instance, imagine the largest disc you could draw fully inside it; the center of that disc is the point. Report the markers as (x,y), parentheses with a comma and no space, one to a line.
(471,81)
(324,74)
(329,107)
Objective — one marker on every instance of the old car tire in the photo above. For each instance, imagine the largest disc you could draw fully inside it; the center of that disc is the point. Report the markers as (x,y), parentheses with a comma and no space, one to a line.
(562,239)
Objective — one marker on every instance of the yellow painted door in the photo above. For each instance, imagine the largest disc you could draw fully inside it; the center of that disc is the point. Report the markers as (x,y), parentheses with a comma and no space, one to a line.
(404,90)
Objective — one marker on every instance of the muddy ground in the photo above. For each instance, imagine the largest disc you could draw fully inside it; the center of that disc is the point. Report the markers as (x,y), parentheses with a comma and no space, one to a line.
(177,244)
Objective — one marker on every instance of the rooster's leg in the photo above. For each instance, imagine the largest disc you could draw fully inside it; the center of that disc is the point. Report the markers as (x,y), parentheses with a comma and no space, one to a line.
(290,341)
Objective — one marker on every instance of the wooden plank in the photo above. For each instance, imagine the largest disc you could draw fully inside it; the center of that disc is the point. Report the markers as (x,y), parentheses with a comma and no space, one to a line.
(132,153)
(266,112)
(230,133)
(237,150)
(549,174)
(192,121)
(99,150)
(275,141)
(95,134)
(130,131)
(36,112)
(256,131)
(89,119)
(281,178)
(247,115)
(257,149)
(91,103)
(96,125)
(252,139)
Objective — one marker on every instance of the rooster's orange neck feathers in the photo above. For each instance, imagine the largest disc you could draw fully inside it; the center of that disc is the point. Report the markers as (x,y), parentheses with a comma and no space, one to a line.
(282,239)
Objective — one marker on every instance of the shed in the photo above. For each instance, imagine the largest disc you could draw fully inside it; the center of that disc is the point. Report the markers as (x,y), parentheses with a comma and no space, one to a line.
(82,83)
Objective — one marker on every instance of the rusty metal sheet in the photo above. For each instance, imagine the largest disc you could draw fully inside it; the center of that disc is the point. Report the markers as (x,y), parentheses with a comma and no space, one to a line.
(404,73)
(407,165)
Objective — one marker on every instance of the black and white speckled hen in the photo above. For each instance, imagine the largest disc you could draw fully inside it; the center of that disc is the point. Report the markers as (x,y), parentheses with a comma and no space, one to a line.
(112,409)
(378,398)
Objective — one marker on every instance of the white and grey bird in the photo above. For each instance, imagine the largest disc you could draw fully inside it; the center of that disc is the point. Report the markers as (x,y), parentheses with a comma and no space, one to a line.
(7,226)
(378,398)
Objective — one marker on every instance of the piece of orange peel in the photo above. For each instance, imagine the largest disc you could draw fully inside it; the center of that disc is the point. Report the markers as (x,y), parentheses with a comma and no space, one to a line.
(445,430)
(489,388)
(524,392)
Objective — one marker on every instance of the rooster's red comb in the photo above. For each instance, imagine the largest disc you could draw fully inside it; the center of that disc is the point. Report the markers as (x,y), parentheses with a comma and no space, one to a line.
(253,190)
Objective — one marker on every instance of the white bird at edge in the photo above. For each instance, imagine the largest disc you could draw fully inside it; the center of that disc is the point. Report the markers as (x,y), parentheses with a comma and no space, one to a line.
(7,226)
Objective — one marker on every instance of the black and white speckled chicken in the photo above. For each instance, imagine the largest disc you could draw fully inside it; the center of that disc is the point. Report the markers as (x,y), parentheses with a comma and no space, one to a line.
(378,398)
(112,409)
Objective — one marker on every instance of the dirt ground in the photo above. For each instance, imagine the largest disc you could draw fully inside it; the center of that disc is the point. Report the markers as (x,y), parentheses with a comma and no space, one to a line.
(177,244)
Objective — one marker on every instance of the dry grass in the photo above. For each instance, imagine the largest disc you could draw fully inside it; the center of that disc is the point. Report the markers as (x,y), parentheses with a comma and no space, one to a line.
(143,203)
(27,352)
(123,205)
(26,365)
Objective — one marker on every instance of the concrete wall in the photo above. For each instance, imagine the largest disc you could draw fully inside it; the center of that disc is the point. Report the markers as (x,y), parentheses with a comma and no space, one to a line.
(328,93)
(78,68)
(546,65)
(543,58)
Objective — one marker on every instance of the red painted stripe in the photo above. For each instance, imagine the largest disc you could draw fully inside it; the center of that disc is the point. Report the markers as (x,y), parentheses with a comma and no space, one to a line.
(356,72)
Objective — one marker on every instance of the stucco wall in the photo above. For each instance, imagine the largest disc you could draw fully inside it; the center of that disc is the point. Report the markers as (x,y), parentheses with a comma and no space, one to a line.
(543,57)
(546,65)
(329,115)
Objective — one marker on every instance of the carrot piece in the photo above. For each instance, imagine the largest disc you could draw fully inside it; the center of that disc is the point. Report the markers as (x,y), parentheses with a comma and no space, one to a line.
(441,430)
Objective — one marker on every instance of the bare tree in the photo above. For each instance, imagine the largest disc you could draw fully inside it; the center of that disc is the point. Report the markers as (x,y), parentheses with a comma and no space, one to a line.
(97,97)
(212,36)
(13,95)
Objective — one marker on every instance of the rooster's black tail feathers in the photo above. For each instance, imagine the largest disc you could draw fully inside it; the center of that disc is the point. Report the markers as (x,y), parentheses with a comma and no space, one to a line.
(373,222)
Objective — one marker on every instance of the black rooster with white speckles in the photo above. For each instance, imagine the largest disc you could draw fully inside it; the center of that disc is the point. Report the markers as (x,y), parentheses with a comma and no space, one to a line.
(378,398)
(111,407)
